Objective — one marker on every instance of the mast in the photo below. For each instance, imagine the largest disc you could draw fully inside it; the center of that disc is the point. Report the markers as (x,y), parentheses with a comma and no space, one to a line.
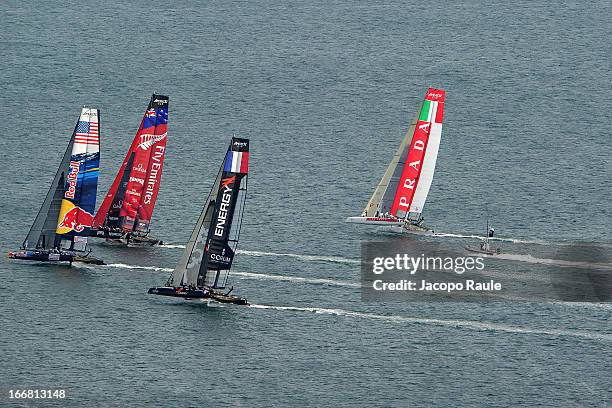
(130,201)
(381,199)
(487,236)
(42,232)
(209,254)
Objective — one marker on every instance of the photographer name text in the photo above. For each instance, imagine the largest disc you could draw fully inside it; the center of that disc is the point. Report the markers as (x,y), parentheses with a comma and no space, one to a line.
(427,286)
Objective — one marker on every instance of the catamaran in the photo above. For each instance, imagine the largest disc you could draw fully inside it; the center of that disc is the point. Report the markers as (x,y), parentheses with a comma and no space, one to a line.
(59,232)
(399,197)
(204,267)
(125,214)
(485,246)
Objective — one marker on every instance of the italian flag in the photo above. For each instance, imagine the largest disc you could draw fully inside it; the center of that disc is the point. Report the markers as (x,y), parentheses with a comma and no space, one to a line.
(432,111)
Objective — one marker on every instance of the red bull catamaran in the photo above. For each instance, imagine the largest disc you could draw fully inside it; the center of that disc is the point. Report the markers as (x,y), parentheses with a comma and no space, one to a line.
(59,232)
(207,259)
(125,214)
(399,197)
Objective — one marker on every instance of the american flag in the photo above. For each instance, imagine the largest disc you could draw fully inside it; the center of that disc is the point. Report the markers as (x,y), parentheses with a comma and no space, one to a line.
(87,133)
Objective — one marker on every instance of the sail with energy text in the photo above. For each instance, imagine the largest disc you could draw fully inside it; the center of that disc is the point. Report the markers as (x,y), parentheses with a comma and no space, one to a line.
(210,251)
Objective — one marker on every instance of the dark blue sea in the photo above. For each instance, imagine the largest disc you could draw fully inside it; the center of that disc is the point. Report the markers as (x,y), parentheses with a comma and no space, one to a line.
(325,90)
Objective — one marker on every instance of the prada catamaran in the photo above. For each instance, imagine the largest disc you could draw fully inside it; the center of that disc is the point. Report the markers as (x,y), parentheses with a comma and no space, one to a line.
(125,214)
(204,267)
(399,197)
(59,232)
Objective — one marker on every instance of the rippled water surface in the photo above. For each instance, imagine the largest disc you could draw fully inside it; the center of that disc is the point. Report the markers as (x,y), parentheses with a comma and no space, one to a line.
(325,91)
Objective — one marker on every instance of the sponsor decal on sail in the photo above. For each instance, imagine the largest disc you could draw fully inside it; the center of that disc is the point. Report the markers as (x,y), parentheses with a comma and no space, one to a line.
(412,170)
(73,218)
(224,206)
(220,258)
(148,140)
(157,158)
(137,180)
(71,179)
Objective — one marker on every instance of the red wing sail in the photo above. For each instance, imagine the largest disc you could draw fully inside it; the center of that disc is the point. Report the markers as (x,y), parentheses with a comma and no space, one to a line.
(431,114)
(130,201)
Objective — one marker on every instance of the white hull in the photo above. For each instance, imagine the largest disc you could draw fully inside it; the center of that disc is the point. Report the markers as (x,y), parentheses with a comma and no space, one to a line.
(490,251)
(389,222)
(392,222)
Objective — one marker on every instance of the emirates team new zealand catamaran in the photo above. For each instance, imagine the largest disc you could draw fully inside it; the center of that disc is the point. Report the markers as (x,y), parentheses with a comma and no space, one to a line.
(204,267)
(125,213)
(401,193)
(59,232)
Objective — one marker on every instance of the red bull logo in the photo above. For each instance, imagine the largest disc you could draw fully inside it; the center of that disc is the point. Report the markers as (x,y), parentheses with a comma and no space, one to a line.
(73,218)
(72,179)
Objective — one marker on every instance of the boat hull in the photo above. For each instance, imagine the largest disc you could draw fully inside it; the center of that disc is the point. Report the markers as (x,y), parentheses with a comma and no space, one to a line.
(143,241)
(376,221)
(189,294)
(492,251)
(119,237)
(391,222)
(53,256)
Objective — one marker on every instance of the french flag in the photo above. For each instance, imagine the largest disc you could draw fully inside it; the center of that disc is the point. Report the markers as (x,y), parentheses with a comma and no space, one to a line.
(237,162)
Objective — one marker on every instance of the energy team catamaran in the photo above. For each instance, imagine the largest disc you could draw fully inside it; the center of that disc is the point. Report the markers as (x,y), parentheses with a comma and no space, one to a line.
(399,198)
(60,230)
(206,261)
(125,213)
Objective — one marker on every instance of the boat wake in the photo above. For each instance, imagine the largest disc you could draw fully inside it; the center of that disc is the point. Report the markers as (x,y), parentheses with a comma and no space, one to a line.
(462,324)
(149,268)
(171,246)
(553,262)
(255,276)
(319,258)
(296,279)
(502,239)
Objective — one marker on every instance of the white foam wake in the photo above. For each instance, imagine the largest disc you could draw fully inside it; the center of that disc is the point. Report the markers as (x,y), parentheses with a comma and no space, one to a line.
(171,246)
(466,324)
(150,268)
(320,258)
(298,279)
(555,262)
(252,275)
(513,240)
